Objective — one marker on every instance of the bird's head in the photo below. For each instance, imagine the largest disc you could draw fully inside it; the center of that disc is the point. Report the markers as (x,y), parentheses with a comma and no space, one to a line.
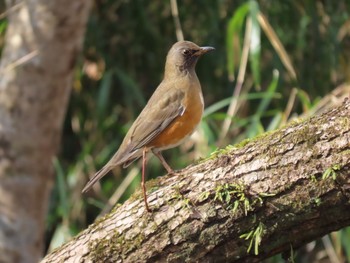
(183,56)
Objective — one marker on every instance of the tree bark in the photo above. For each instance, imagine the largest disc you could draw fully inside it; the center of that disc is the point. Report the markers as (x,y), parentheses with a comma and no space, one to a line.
(42,42)
(273,193)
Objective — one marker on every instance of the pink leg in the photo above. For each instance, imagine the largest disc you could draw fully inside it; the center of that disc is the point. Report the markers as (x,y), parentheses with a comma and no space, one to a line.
(162,160)
(144,161)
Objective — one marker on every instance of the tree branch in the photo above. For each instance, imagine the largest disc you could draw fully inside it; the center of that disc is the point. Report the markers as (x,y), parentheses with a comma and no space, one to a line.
(243,204)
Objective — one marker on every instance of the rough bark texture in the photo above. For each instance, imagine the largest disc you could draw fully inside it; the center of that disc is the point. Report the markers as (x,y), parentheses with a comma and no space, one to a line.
(42,42)
(285,188)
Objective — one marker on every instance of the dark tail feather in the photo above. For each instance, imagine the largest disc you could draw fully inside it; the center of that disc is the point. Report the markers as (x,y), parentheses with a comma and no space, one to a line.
(128,162)
(96,177)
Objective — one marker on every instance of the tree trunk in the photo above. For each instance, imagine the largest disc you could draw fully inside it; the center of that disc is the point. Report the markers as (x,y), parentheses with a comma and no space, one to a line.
(242,204)
(42,42)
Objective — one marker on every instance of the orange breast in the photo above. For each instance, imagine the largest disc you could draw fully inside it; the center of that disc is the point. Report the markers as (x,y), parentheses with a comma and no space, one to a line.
(182,126)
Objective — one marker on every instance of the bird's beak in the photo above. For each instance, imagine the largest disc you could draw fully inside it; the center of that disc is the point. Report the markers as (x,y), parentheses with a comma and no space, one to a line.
(204,50)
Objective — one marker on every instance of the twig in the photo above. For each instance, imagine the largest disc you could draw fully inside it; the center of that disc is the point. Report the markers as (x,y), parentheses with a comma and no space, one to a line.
(289,106)
(276,43)
(332,255)
(11,9)
(241,74)
(22,60)
(175,14)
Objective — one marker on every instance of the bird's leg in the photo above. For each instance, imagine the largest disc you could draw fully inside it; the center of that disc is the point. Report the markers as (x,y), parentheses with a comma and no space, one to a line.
(144,161)
(162,160)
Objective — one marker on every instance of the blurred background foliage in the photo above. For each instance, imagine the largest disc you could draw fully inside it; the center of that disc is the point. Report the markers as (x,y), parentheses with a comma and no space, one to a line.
(274,61)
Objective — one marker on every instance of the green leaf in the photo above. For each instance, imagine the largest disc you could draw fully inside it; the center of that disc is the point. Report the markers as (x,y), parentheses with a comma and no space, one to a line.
(234,28)
(104,94)
(255,127)
(62,189)
(255,43)
(131,88)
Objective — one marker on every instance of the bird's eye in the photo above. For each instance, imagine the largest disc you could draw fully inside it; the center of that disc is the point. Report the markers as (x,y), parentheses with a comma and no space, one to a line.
(186,52)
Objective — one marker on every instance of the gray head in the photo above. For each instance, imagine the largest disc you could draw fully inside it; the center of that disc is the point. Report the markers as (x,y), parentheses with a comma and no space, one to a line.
(183,56)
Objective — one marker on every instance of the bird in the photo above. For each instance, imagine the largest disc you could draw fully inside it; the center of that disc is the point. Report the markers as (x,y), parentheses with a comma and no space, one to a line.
(170,116)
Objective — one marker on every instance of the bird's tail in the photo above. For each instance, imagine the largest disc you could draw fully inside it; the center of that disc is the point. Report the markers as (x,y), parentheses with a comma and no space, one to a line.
(105,169)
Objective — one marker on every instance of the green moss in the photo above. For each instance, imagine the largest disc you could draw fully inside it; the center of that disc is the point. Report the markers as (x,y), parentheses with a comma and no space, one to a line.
(317,201)
(295,122)
(237,146)
(254,236)
(344,122)
(243,143)
(178,196)
(101,219)
(313,178)
(230,147)
(235,195)
(210,236)
(254,139)
(151,186)
(346,152)
(203,196)
(111,248)
(117,205)
(302,135)
(102,250)
(183,255)
(331,172)
(215,154)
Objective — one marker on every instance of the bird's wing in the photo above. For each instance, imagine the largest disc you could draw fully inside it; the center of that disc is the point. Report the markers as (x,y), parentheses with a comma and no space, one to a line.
(156,116)
(147,128)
